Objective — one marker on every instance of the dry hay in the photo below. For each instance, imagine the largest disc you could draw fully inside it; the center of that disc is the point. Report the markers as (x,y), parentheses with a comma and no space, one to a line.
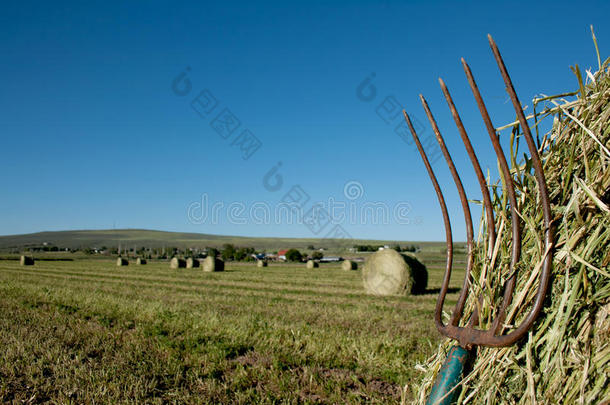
(312,264)
(387,272)
(140,261)
(26,261)
(120,261)
(349,265)
(192,263)
(177,263)
(261,263)
(565,356)
(213,264)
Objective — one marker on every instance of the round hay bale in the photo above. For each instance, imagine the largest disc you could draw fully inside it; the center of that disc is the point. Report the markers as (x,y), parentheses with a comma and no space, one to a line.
(388,272)
(312,264)
(349,265)
(26,261)
(176,263)
(192,263)
(122,262)
(213,264)
(140,261)
(261,263)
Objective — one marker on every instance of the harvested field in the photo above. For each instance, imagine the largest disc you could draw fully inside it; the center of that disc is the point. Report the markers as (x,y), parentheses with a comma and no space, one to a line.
(87,331)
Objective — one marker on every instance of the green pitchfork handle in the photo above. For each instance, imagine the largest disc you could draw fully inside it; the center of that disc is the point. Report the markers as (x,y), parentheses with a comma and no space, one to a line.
(448,377)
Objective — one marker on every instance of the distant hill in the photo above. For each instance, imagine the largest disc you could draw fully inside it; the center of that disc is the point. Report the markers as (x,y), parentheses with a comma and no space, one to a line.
(150,238)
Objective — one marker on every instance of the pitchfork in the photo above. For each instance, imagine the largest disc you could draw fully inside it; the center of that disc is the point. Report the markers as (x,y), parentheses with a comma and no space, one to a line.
(444,390)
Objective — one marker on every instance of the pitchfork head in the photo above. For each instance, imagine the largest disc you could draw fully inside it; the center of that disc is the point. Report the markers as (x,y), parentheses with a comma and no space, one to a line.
(468,336)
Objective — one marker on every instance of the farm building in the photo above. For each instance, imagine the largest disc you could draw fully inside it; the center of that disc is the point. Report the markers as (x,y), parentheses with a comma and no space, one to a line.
(281,254)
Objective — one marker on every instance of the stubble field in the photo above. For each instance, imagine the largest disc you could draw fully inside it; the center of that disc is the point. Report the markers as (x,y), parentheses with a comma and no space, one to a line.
(87,331)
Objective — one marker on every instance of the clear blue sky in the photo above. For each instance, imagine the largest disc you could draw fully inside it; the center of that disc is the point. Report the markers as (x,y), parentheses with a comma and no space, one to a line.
(93,137)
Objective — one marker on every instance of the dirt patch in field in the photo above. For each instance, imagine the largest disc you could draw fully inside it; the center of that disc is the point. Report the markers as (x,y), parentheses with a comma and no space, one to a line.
(356,382)
(253,359)
(318,384)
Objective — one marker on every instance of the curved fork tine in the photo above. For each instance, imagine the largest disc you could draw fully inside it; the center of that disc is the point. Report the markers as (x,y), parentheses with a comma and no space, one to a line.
(491,225)
(544,200)
(448,236)
(457,313)
(510,188)
(491,228)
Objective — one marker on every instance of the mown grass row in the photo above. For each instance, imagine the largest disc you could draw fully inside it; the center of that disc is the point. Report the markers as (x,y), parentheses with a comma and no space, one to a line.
(88,331)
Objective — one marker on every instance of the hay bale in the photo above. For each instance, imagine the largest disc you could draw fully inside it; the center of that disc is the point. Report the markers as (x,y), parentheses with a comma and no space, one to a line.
(349,265)
(140,261)
(388,272)
(312,264)
(192,263)
(213,264)
(176,263)
(27,261)
(122,262)
(261,263)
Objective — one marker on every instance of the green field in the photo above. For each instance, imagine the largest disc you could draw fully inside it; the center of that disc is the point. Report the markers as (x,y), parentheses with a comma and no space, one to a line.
(87,331)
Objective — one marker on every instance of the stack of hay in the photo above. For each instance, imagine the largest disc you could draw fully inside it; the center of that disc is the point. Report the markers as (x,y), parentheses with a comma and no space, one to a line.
(120,261)
(261,263)
(387,272)
(26,261)
(311,264)
(140,261)
(192,263)
(565,357)
(177,263)
(213,264)
(349,265)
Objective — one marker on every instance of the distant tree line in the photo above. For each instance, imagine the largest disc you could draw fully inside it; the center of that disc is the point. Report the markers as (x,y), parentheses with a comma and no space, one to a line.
(317,255)
(366,248)
(407,248)
(227,252)
(48,249)
(293,255)
(230,252)
(374,248)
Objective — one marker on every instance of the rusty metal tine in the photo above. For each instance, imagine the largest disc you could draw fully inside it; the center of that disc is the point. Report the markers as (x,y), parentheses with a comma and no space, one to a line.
(457,313)
(544,200)
(448,235)
(475,162)
(491,226)
(510,188)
